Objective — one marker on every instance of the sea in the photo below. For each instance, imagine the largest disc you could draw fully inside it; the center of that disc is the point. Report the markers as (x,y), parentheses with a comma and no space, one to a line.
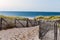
(28,14)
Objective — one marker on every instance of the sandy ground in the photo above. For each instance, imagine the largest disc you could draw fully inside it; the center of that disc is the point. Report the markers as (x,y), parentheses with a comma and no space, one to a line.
(20,34)
(30,33)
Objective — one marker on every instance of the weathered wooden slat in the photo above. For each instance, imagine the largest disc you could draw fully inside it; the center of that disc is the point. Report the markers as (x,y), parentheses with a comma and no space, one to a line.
(5,21)
(19,22)
(55,31)
(0,23)
(30,22)
(27,25)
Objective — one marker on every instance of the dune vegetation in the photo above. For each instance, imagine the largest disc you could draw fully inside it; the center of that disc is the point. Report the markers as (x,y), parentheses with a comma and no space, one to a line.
(37,17)
(13,17)
(47,18)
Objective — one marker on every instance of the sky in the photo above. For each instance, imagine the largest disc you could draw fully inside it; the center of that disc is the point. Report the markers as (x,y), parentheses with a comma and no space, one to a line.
(30,5)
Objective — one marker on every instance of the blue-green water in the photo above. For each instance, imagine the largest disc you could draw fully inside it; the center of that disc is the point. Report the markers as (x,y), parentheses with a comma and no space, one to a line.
(29,14)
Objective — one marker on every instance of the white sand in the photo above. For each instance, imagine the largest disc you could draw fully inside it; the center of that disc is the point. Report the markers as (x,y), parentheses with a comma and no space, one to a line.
(20,34)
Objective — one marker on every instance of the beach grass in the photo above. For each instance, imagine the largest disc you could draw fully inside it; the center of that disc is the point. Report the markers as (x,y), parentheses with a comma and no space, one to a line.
(13,17)
(48,17)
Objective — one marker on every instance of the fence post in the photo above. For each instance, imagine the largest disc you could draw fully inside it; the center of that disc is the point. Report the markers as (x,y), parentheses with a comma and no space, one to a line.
(40,34)
(27,25)
(35,22)
(55,31)
(15,22)
(39,29)
(0,23)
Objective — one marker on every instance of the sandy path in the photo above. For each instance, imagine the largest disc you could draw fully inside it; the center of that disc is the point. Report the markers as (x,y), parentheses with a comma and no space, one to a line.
(20,34)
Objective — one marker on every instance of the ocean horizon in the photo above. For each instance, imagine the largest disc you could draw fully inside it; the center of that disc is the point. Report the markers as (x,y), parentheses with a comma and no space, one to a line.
(29,14)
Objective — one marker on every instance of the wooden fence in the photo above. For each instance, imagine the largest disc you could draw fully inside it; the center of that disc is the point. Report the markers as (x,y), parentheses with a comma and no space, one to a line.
(42,30)
(45,27)
(27,22)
